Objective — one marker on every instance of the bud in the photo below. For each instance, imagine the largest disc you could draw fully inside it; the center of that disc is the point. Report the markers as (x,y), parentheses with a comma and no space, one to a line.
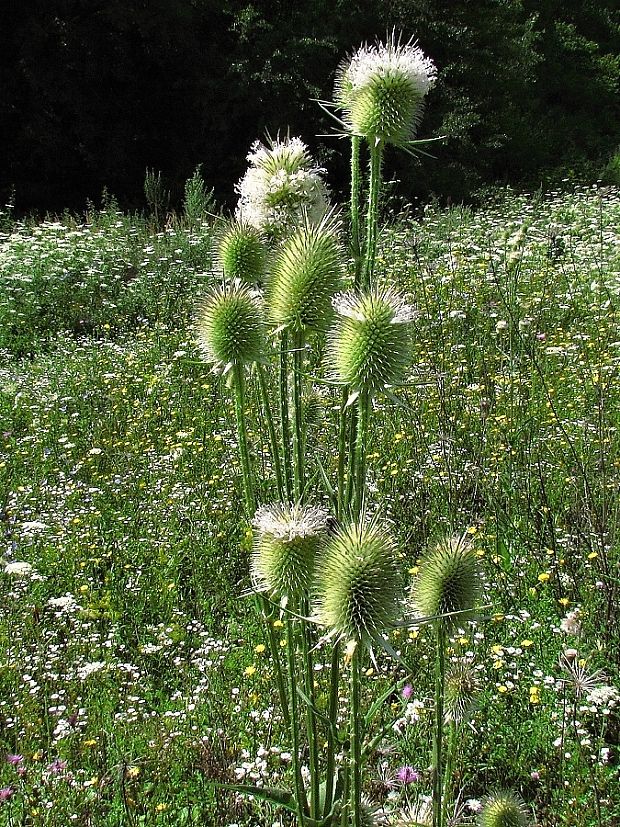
(462,688)
(240,252)
(503,809)
(229,326)
(358,583)
(306,273)
(448,581)
(369,344)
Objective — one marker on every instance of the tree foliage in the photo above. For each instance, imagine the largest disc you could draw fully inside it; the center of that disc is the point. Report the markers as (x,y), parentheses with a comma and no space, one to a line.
(92,94)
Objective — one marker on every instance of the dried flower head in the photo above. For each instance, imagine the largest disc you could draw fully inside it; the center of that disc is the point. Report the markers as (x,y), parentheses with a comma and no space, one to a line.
(240,251)
(281,184)
(358,583)
(462,689)
(381,90)
(230,326)
(287,541)
(305,275)
(448,581)
(503,809)
(369,343)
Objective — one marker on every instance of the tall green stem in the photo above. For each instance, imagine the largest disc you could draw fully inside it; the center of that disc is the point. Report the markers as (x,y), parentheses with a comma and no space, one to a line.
(342,449)
(372,218)
(356,187)
(330,771)
(356,738)
(311,727)
(440,679)
(273,439)
(298,429)
(360,451)
(447,776)
(244,454)
(284,415)
(300,791)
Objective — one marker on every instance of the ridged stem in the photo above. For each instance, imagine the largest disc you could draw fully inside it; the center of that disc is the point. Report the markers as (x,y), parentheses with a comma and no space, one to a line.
(242,440)
(332,712)
(447,776)
(440,679)
(356,738)
(300,791)
(356,187)
(372,218)
(360,451)
(311,727)
(273,439)
(342,449)
(284,416)
(298,428)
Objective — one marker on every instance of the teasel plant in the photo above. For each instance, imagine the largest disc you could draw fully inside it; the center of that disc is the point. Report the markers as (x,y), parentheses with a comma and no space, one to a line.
(334,582)
(447,589)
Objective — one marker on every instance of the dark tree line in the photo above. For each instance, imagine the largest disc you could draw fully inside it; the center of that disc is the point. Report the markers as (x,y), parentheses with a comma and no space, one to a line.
(92,92)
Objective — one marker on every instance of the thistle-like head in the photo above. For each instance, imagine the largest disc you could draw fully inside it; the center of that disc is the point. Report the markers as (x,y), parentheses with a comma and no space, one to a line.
(448,581)
(503,809)
(381,90)
(281,185)
(230,326)
(240,252)
(369,343)
(358,583)
(287,541)
(462,689)
(306,273)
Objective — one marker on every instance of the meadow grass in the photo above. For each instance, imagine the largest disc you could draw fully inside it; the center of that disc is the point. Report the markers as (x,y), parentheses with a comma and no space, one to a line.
(132,674)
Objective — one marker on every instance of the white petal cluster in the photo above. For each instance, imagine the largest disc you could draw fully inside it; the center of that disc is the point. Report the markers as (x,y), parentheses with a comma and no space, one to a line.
(371,63)
(281,184)
(287,523)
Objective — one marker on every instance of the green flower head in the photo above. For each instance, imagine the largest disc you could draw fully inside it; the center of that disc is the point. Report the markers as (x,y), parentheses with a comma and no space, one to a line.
(381,90)
(230,326)
(448,581)
(358,583)
(503,809)
(287,541)
(240,252)
(307,272)
(369,344)
(461,692)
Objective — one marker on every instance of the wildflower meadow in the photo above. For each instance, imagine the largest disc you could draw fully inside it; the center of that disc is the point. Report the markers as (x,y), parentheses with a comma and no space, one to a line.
(310,512)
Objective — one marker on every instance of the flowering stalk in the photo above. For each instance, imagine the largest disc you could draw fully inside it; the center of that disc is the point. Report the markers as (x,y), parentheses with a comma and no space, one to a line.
(273,439)
(440,680)
(360,451)
(244,454)
(300,790)
(372,218)
(284,416)
(298,430)
(356,738)
(356,186)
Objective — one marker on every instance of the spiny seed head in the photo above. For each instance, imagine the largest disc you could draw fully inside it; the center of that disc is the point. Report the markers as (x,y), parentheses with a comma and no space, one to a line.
(240,252)
(448,581)
(358,583)
(381,90)
(369,343)
(462,688)
(503,809)
(287,540)
(230,326)
(307,271)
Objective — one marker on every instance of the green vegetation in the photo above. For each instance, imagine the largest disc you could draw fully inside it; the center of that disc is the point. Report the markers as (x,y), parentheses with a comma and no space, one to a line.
(132,675)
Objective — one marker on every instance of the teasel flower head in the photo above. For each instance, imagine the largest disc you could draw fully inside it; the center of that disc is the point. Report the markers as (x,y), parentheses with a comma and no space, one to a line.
(369,342)
(240,252)
(358,583)
(281,185)
(230,326)
(288,538)
(381,90)
(306,273)
(448,581)
(462,689)
(503,809)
